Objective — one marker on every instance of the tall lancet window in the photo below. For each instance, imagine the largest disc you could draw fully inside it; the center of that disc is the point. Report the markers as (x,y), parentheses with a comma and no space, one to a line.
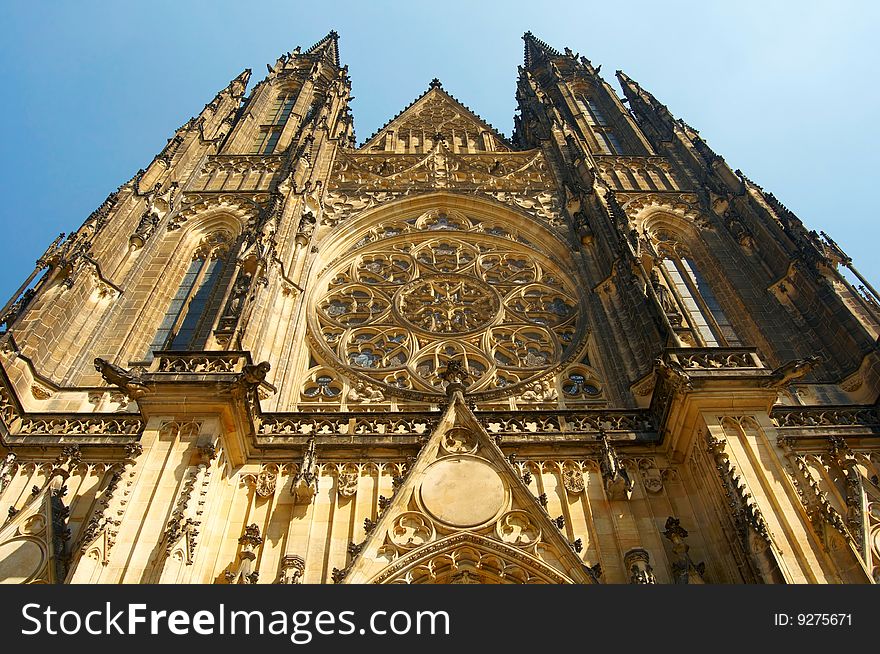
(701,320)
(190,316)
(276,119)
(599,126)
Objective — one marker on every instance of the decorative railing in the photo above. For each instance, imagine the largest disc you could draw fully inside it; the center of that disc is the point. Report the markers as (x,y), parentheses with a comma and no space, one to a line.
(421,424)
(714,358)
(240,163)
(827,416)
(347,424)
(72,425)
(567,422)
(198,363)
(18,422)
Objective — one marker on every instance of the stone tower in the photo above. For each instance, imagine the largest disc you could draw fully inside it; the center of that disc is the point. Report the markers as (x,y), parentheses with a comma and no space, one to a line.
(589,353)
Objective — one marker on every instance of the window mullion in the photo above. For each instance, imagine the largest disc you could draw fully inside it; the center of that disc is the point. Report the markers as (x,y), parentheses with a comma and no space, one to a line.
(682,305)
(701,302)
(181,316)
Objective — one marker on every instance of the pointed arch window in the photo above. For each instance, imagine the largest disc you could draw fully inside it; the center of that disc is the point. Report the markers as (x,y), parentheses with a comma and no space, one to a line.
(599,126)
(190,316)
(700,314)
(270,131)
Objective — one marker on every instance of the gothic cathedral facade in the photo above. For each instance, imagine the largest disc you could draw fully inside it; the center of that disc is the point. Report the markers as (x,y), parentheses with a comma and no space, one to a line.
(588,353)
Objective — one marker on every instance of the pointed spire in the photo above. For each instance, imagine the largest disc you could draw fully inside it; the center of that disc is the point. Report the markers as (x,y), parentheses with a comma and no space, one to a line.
(238,85)
(659,125)
(633,91)
(536,49)
(328,46)
(235,89)
(645,107)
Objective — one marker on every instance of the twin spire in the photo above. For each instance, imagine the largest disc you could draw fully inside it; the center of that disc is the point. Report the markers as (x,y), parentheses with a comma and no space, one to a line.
(535,52)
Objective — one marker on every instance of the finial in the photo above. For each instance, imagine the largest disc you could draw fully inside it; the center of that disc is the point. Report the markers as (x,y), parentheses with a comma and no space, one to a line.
(456,376)
(435,84)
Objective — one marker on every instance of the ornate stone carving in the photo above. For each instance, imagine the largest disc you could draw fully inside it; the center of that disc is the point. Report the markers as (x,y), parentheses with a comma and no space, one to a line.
(684,570)
(305,483)
(618,484)
(713,358)
(7,468)
(40,393)
(447,304)
(252,376)
(203,363)
(792,371)
(360,424)
(518,528)
(820,416)
(411,529)
(397,309)
(573,480)
(466,577)
(365,394)
(347,481)
(292,569)
(638,563)
(127,381)
(459,441)
(566,422)
(814,499)
(652,477)
(265,483)
(624,173)
(242,571)
(745,512)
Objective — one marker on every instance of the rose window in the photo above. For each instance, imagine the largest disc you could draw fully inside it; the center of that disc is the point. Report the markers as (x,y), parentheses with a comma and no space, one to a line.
(407,299)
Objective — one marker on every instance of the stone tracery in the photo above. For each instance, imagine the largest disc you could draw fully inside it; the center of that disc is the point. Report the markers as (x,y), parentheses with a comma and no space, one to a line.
(406,300)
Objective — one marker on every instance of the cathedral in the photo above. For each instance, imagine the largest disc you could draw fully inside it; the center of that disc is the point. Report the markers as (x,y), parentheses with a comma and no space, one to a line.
(588,353)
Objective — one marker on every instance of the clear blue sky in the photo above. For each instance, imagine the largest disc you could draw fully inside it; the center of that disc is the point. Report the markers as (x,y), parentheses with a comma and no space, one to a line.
(786,91)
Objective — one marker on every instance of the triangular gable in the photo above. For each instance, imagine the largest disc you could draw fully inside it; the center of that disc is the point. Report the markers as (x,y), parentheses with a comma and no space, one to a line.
(32,541)
(437,112)
(463,515)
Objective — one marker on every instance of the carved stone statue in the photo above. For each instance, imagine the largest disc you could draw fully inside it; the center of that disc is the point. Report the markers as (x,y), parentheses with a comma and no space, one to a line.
(242,572)
(684,569)
(364,393)
(638,562)
(664,296)
(127,381)
(456,375)
(253,375)
(305,483)
(673,372)
(292,569)
(789,372)
(6,468)
(618,484)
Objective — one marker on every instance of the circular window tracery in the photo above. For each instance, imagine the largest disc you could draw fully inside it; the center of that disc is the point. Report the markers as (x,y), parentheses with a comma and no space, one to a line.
(398,307)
